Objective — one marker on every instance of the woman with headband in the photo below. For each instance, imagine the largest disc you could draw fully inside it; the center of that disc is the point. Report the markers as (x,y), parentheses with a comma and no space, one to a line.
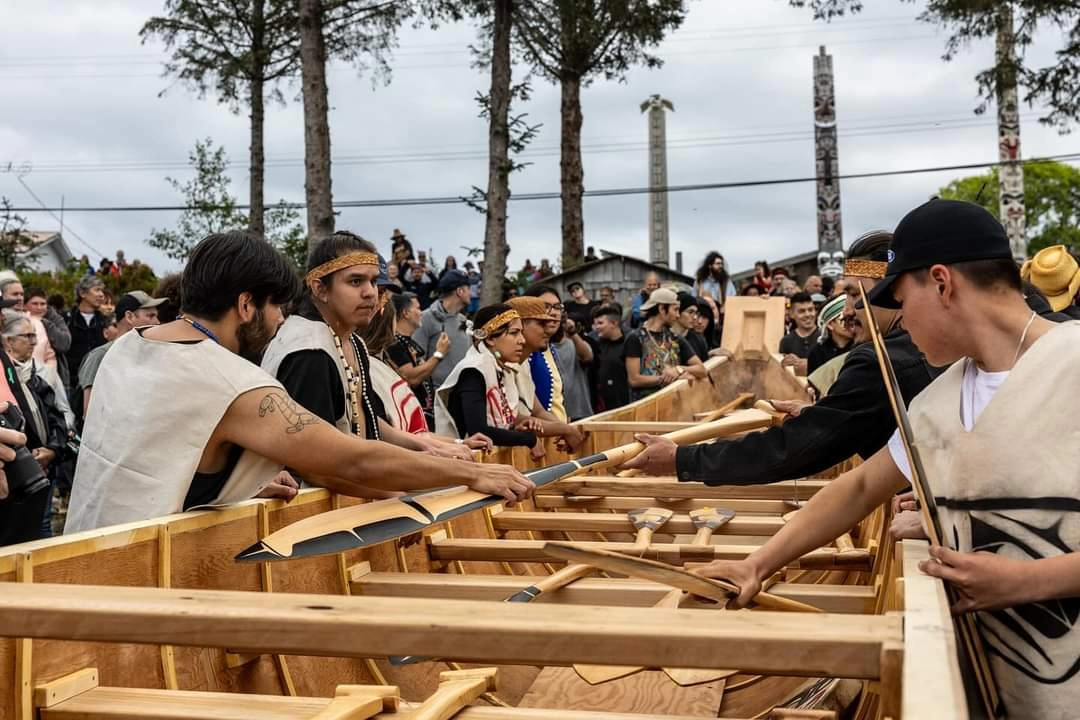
(480,395)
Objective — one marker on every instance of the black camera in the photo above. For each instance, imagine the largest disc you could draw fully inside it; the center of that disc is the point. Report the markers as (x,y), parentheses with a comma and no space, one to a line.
(24,474)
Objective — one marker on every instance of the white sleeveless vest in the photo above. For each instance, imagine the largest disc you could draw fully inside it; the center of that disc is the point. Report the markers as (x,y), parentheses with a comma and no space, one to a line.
(1011,486)
(399,401)
(298,334)
(498,415)
(156,404)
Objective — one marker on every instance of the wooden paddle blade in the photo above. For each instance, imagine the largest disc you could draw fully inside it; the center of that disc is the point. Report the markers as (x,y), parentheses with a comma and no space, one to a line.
(685,677)
(650,518)
(598,674)
(719,590)
(339,530)
(710,517)
(360,526)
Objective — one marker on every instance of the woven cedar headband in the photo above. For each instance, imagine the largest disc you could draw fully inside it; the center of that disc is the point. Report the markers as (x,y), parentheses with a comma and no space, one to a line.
(866,268)
(493,325)
(342,262)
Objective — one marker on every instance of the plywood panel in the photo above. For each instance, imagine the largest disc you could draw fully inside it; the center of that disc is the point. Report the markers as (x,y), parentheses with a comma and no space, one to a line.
(650,692)
(118,664)
(7,661)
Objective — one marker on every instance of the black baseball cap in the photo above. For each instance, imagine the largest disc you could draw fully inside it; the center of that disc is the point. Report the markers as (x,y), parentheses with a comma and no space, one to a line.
(940,232)
(452,280)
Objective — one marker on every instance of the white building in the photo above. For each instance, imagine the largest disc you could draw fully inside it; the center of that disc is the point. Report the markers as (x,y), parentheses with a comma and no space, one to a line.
(48,252)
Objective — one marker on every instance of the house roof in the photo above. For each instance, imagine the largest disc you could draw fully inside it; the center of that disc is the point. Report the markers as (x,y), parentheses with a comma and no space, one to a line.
(609,256)
(786,262)
(41,239)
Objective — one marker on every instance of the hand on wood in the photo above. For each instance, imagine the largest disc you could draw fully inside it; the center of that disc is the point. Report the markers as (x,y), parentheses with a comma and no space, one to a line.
(792,407)
(904,501)
(451,450)
(502,480)
(740,573)
(530,424)
(283,486)
(658,457)
(907,525)
(984,581)
(479,441)
(537,452)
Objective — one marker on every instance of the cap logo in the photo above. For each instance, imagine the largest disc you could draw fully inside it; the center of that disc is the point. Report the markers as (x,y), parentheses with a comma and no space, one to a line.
(891,255)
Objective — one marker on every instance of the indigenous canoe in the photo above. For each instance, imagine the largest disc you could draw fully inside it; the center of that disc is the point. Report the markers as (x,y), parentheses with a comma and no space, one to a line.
(157,619)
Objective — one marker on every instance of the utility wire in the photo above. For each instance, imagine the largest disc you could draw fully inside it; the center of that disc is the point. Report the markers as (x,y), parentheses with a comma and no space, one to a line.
(611,192)
(477,152)
(65,227)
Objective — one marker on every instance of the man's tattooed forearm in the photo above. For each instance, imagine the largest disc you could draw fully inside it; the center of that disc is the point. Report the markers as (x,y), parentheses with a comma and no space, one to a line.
(294,415)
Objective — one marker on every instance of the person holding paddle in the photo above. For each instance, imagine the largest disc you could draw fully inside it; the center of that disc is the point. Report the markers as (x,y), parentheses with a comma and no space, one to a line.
(209,427)
(999,443)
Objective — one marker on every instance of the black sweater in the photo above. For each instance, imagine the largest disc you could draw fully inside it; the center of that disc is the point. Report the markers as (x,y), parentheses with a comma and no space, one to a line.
(854,418)
(468,407)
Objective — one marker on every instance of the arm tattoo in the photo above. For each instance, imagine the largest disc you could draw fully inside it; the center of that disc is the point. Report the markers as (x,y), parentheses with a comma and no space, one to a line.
(294,415)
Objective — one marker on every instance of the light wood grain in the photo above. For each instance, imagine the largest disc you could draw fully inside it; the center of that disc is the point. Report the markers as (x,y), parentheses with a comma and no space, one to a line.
(849,599)
(753,326)
(532,551)
(598,522)
(933,686)
(812,645)
(66,687)
(650,693)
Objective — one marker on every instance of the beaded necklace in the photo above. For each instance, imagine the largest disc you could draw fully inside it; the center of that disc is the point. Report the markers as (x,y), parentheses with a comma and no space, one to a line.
(354,379)
(201,328)
(415,353)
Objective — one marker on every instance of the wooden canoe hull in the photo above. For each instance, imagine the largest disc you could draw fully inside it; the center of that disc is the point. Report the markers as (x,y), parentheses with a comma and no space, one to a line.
(196,551)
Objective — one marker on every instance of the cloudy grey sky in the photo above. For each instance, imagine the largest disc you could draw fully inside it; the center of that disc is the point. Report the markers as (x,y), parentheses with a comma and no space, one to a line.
(81,94)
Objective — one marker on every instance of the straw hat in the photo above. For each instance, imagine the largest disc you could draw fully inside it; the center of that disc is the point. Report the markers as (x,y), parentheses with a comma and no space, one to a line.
(530,308)
(1056,273)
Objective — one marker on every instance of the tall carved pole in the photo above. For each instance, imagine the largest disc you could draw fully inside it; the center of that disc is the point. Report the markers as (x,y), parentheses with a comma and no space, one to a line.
(1011,172)
(827,168)
(659,250)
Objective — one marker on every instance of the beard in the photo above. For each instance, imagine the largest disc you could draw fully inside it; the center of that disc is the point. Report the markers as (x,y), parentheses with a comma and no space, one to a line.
(252,338)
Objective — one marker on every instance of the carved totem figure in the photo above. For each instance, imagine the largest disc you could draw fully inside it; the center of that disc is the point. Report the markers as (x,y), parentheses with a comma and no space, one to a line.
(827,167)
(1011,171)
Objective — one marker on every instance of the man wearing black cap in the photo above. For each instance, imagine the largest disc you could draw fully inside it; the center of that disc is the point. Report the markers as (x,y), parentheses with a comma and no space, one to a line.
(999,443)
(855,418)
(445,316)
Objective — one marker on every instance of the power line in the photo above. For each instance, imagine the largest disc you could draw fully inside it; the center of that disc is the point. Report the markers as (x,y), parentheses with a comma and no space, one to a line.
(611,192)
(54,216)
(478,152)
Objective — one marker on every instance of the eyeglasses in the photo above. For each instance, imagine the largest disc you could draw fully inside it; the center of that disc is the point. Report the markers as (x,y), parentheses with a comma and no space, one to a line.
(555,306)
(32,337)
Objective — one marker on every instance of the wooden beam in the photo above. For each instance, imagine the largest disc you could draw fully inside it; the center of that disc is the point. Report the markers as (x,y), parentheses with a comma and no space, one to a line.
(584,502)
(597,522)
(116,703)
(65,688)
(645,426)
(661,488)
(810,645)
(589,591)
(471,549)
(932,686)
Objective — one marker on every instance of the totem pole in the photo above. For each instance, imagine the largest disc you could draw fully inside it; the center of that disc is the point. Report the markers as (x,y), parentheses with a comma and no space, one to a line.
(827,168)
(658,199)
(1011,170)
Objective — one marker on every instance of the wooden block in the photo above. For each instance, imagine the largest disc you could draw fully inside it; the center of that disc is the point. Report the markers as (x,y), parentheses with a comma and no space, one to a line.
(390,694)
(65,688)
(753,326)
(791,643)
(236,658)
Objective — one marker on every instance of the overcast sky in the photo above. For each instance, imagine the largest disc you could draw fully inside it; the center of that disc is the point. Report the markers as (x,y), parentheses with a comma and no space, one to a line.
(81,94)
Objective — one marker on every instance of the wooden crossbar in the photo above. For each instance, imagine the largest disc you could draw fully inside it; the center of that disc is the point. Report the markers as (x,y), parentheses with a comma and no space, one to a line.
(469,549)
(812,645)
(658,487)
(597,522)
(587,591)
(644,426)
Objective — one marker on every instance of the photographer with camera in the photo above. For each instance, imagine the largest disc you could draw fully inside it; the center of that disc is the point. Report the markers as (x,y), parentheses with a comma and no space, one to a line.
(572,355)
